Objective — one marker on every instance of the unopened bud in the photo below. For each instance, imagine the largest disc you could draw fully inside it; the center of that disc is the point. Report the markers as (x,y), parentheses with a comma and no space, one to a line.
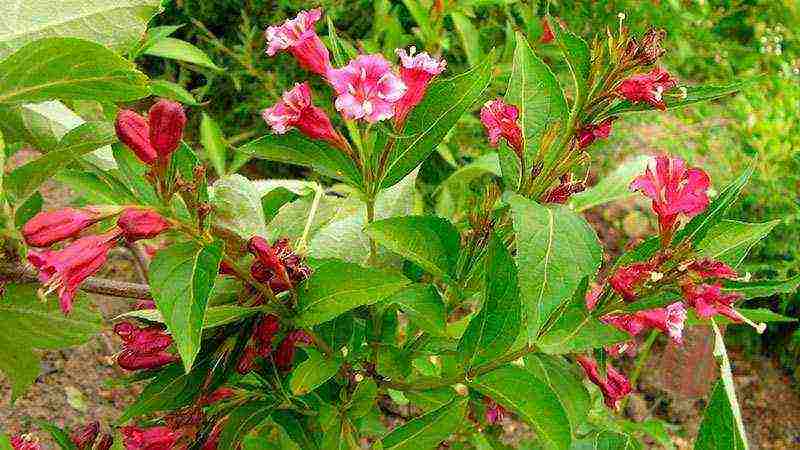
(134,131)
(129,360)
(47,228)
(166,120)
(83,438)
(139,224)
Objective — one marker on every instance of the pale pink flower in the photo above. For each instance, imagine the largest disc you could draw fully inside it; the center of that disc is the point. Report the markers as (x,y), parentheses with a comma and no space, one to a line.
(367,88)
(500,120)
(296,110)
(648,87)
(299,38)
(416,71)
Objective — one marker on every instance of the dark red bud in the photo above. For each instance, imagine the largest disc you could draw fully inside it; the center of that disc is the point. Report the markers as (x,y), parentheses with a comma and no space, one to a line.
(47,228)
(167,121)
(105,442)
(130,360)
(133,131)
(125,330)
(247,360)
(139,224)
(83,438)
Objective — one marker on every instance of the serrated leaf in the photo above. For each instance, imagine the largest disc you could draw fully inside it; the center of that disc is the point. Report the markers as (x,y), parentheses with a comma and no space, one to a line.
(494,329)
(118,24)
(430,121)
(534,400)
(611,187)
(182,277)
(576,52)
(730,241)
(242,420)
(424,307)
(567,385)
(694,94)
(24,180)
(762,288)
(556,248)
(62,73)
(337,287)
(179,50)
(429,429)
(430,242)
(294,148)
(313,372)
(237,206)
(173,91)
(170,389)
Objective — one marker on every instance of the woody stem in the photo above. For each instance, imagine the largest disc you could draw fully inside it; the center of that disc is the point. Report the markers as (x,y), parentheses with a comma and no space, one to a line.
(22,274)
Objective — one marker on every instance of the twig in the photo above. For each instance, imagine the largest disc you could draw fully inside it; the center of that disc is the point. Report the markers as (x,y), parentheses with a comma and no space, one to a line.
(19,273)
(140,259)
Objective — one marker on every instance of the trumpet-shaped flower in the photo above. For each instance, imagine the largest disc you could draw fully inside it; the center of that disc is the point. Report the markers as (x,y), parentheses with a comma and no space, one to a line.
(367,88)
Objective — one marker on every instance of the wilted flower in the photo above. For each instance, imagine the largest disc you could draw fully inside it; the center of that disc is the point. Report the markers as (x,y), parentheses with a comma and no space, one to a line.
(139,224)
(84,437)
(154,438)
(592,132)
(47,228)
(296,110)
(366,88)
(627,279)
(298,36)
(155,137)
(278,265)
(495,413)
(648,87)
(105,442)
(561,193)
(615,386)
(500,120)
(65,270)
(669,320)
(674,190)
(25,442)
(143,348)
(285,353)
(416,71)
(709,268)
(651,49)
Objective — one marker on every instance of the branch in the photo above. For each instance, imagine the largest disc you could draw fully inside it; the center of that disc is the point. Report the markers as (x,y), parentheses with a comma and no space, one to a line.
(20,273)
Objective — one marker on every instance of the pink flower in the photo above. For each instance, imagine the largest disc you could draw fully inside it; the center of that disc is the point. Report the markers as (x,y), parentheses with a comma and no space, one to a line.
(593,296)
(614,387)
(143,348)
(366,88)
(66,269)
(84,437)
(648,87)
(708,300)
(155,137)
(669,320)
(495,413)
(285,353)
(590,133)
(416,71)
(154,438)
(300,39)
(47,228)
(708,268)
(296,110)
(674,190)
(25,442)
(139,224)
(500,120)
(627,279)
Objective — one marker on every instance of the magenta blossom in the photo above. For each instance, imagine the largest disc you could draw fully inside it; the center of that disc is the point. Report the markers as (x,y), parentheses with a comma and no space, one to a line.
(296,110)
(143,348)
(65,270)
(708,300)
(615,386)
(47,228)
(669,320)
(367,88)
(416,71)
(708,268)
(139,224)
(627,279)
(674,189)
(592,132)
(500,120)
(648,87)
(154,438)
(25,442)
(299,38)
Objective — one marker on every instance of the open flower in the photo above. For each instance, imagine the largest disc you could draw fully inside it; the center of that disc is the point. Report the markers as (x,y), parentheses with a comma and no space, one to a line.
(155,137)
(153,438)
(137,224)
(367,88)
(143,348)
(47,228)
(708,300)
(298,36)
(592,132)
(648,87)
(296,110)
(416,71)
(25,442)
(500,120)
(627,279)
(674,189)
(669,320)
(65,270)
(614,386)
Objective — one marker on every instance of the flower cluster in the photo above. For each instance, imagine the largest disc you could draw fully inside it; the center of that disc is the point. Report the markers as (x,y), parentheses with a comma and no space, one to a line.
(367,88)
(64,270)
(143,348)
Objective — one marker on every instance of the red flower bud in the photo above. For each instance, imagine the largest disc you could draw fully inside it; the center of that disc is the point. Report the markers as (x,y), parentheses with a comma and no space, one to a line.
(264,332)
(105,442)
(139,224)
(83,438)
(285,353)
(547,33)
(218,396)
(47,228)
(144,348)
(614,386)
(213,438)
(133,131)
(130,360)
(155,438)
(167,121)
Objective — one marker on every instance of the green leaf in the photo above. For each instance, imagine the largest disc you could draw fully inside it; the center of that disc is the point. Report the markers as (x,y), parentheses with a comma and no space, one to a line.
(61,437)
(182,277)
(429,429)
(697,228)
(5,442)
(133,174)
(217,316)
(694,94)
(363,399)
(32,324)
(430,242)
(337,287)
(534,89)
(313,372)
(565,382)
(294,427)
(26,211)
(294,148)
(170,389)
(96,187)
(611,187)
(214,142)
(177,49)
(576,52)
(62,72)
(26,179)
(556,248)
(272,201)
(573,329)
(534,400)
(424,307)
(237,206)
(153,34)
(730,241)
(242,420)
(173,91)
(430,121)
(762,288)
(470,38)
(495,328)
(608,440)
(118,24)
